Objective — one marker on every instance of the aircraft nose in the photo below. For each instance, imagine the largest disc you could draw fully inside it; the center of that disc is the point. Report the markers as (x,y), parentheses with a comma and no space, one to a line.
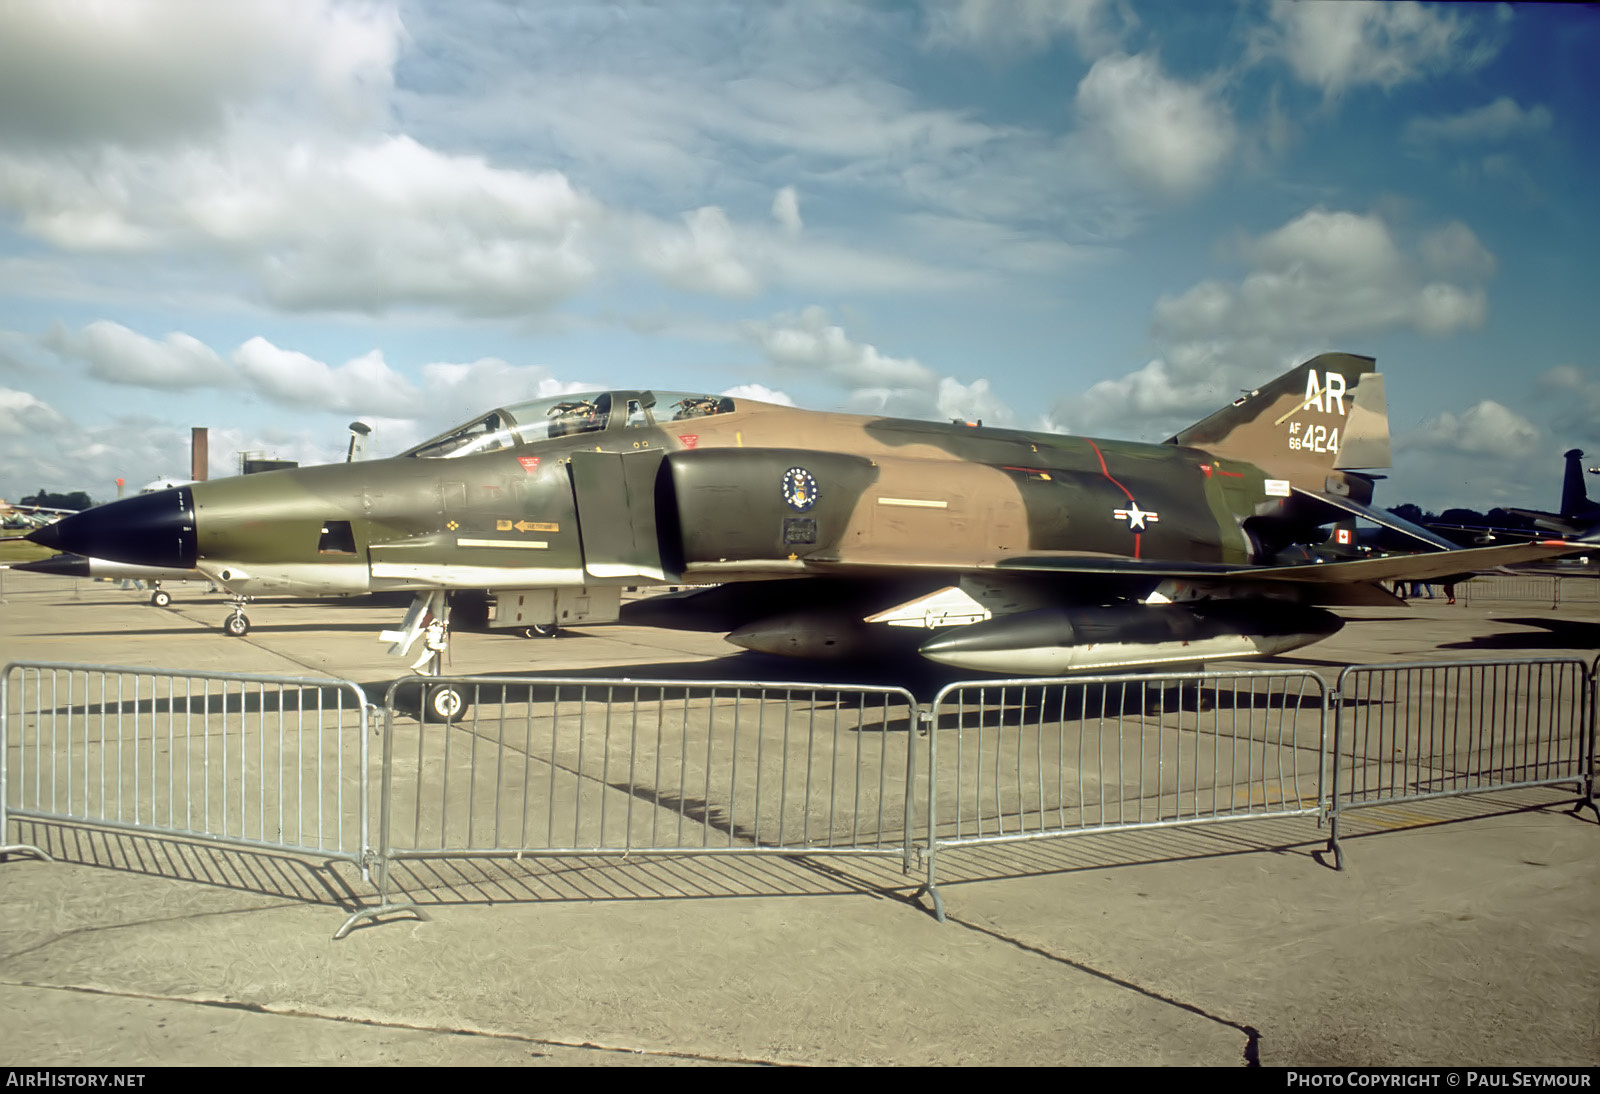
(148,530)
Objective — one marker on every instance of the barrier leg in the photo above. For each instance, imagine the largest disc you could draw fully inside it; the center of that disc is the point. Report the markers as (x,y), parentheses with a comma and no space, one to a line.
(9,849)
(932,889)
(384,906)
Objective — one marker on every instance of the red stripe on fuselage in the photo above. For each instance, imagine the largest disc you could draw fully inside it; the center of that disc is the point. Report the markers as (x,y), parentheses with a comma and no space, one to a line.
(1106,471)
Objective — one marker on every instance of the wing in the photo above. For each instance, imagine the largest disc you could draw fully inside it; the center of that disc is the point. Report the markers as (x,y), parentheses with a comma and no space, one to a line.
(1421,567)
(1388,568)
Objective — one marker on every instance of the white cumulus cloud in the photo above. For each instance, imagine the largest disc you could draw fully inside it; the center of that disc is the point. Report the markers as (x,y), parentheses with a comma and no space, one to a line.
(1026,25)
(1169,136)
(1329,274)
(141,71)
(1311,285)
(113,352)
(1485,429)
(1337,45)
(808,345)
(22,414)
(760,393)
(786,211)
(1500,120)
(365,384)
(703,256)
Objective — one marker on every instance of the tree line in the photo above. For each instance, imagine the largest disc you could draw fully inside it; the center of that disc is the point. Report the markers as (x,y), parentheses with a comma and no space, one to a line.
(77,500)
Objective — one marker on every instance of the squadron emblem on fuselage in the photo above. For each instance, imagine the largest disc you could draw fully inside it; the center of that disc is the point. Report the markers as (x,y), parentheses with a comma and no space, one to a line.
(799,489)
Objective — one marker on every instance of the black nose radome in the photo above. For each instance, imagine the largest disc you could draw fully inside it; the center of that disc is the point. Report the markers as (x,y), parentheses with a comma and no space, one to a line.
(148,530)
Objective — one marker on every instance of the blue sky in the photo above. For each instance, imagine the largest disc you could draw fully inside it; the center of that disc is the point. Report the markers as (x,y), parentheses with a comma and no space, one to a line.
(272,217)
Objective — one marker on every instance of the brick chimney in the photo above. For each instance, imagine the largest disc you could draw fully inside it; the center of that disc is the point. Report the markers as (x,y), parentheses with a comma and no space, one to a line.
(199,453)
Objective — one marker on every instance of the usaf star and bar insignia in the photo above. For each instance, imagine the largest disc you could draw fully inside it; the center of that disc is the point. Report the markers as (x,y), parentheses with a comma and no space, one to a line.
(1135,516)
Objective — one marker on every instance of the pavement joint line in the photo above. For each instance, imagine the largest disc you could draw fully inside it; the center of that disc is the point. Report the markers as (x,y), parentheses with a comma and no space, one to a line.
(250,642)
(1252,1048)
(413,1027)
(108,927)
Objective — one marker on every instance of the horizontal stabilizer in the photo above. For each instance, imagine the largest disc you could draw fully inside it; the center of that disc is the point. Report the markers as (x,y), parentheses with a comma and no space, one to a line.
(1421,567)
(1380,517)
(1555,522)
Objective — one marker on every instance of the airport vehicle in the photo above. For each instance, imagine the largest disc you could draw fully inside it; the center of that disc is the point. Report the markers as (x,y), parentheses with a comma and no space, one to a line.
(832,535)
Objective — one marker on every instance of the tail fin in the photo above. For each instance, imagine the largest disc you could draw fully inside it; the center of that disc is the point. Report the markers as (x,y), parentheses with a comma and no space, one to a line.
(1574,496)
(1344,541)
(1328,414)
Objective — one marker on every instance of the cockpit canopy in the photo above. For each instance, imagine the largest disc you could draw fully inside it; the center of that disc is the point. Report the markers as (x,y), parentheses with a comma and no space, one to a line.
(566,415)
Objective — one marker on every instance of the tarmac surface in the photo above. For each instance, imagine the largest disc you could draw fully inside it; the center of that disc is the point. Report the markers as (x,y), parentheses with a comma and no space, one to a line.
(1461,933)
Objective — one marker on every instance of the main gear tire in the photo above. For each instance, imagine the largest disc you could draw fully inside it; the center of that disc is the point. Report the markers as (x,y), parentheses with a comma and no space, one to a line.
(446,703)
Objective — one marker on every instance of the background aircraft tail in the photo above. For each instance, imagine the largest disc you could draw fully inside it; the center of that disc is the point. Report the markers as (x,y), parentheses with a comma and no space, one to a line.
(1579,516)
(1574,494)
(1327,415)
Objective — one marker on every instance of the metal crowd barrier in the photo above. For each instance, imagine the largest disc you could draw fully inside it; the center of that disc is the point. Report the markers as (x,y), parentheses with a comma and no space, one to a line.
(625,767)
(1415,731)
(1554,589)
(593,767)
(273,762)
(1037,759)
(1594,731)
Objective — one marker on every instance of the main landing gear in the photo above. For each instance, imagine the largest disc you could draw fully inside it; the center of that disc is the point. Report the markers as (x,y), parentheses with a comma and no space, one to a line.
(444,703)
(429,620)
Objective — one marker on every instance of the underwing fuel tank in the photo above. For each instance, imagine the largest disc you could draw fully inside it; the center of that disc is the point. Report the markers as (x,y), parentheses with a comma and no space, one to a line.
(822,635)
(1061,640)
(68,565)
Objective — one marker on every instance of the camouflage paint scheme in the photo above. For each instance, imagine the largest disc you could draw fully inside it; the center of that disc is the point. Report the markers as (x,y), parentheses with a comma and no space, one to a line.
(836,518)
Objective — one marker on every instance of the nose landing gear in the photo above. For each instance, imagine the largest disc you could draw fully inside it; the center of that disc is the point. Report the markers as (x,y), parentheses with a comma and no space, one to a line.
(237,625)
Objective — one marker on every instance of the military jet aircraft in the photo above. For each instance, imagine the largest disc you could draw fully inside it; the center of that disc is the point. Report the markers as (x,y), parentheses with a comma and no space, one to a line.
(1578,519)
(1579,516)
(28,517)
(831,535)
